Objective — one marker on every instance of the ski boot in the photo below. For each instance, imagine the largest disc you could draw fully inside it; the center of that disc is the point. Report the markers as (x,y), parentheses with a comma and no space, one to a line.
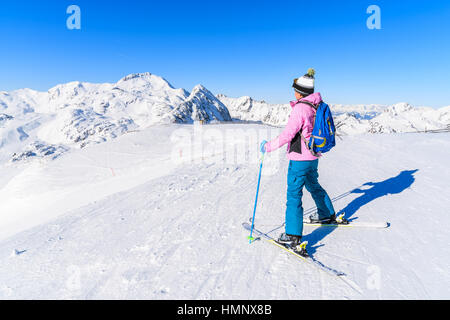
(330,220)
(340,219)
(294,243)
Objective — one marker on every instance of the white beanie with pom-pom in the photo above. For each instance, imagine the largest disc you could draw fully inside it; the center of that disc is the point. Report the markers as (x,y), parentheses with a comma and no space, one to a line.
(305,85)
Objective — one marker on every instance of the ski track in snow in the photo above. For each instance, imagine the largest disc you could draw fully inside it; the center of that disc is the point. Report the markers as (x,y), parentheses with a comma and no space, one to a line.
(177,234)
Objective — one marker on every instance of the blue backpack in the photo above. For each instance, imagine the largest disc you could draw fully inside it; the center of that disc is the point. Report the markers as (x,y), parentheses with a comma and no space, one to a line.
(323,135)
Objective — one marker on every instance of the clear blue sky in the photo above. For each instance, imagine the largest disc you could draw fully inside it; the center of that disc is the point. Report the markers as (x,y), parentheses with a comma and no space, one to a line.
(237,48)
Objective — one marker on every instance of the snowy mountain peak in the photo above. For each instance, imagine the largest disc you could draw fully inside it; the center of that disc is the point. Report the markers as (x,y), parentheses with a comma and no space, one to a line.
(145,80)
(67,90)
(135,76)
(201,105)
(200,90)
(399,108)
(199,87)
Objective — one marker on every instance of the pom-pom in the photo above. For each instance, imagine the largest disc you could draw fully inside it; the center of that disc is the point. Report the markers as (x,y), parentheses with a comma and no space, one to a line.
(311,72)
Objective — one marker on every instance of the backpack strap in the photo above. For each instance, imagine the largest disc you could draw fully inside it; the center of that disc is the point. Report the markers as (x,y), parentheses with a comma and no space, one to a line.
(315,107)
(312,105)
(307,145)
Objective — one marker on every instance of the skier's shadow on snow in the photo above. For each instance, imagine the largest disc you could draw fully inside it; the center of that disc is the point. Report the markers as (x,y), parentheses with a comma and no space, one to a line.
(394,185)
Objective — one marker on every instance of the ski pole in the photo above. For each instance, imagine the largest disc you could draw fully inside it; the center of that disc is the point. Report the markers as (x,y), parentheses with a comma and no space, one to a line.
(256,201)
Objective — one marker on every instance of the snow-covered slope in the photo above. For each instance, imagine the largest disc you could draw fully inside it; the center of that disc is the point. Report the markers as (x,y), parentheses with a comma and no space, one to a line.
(77,114)
(352,119)
(122,219)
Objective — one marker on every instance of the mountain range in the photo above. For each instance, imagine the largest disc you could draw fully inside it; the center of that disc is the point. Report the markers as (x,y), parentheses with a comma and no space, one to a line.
(46,124)
(350,119)
(37,124)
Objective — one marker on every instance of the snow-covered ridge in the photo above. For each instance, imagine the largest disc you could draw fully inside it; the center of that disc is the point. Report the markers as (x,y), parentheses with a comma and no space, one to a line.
(352,119)
(76,114)
(37,124)
(201,104)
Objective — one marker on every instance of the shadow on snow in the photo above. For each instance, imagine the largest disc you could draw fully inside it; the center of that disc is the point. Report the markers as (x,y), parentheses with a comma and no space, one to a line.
(376,190)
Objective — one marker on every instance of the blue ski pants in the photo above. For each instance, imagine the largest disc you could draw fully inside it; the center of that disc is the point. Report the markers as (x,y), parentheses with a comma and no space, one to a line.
(304,174)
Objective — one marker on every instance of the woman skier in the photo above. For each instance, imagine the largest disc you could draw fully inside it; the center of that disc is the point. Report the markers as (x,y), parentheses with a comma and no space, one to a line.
(302,164)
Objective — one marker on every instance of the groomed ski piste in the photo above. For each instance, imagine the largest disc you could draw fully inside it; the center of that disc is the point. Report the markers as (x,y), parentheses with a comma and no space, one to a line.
(125,219)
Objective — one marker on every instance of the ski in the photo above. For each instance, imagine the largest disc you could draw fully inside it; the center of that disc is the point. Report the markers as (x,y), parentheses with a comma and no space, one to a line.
(351,224)
(310,260)
(379,225)
(341,221)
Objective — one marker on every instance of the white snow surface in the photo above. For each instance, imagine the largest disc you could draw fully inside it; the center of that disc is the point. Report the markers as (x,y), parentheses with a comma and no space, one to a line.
(126,219)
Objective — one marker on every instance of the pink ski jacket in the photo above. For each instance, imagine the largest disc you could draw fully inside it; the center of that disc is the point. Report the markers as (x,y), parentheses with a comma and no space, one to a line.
(301,118)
